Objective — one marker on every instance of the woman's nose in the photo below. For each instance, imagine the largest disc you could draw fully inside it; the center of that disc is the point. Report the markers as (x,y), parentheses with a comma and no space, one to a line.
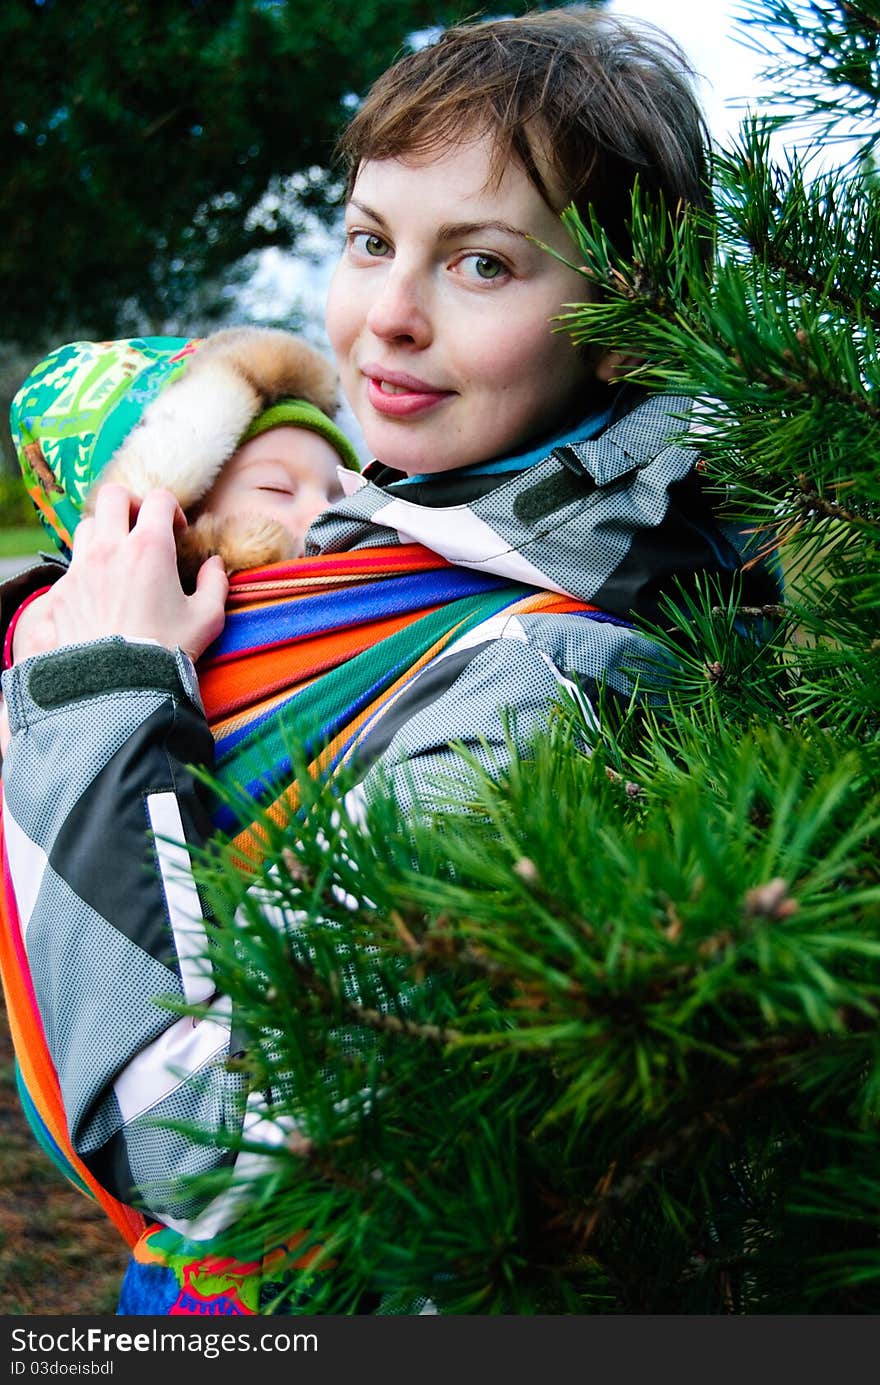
(398,312)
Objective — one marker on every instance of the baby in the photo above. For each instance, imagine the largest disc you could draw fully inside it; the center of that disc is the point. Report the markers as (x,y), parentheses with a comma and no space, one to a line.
(238,426)
(266,496)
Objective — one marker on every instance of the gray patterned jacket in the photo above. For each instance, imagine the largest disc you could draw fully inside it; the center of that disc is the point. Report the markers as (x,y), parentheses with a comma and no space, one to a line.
(96,774)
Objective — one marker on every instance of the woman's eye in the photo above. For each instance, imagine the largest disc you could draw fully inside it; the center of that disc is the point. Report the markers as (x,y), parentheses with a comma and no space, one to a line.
(483,267)
(368,243)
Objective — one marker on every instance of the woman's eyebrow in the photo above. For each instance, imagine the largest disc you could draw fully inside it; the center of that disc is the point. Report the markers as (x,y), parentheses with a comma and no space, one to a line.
(463,230)
(369,212)
(449,230)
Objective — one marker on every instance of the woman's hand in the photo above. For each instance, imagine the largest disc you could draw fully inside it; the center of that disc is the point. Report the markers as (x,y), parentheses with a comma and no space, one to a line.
(34,629)
(123,580)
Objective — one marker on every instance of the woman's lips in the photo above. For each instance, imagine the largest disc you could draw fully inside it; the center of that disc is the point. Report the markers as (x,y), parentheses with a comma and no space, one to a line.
(397,395)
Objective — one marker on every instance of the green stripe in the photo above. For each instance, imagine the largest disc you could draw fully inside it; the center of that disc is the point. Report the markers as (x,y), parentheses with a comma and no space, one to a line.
(41,1134)
(326,699)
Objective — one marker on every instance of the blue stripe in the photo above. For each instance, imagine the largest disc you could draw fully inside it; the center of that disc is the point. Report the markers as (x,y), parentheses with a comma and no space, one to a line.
(603,618)
(276,775)
(346,607)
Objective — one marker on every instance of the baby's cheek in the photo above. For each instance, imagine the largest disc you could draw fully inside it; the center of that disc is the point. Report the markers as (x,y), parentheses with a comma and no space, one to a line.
(307,512)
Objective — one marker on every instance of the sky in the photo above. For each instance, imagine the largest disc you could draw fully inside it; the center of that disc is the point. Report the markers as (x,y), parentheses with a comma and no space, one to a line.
(709,35)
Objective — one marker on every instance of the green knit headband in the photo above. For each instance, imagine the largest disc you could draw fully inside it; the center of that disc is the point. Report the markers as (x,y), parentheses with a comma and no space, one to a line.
(299,413)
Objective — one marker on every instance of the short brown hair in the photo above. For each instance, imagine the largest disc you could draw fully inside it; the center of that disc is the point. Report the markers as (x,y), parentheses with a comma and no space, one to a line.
(596,99)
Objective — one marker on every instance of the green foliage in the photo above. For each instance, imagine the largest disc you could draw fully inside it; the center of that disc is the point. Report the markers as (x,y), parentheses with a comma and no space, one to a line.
(599,1045)
(838,88)
(16,507)
(778,340)
(137,142)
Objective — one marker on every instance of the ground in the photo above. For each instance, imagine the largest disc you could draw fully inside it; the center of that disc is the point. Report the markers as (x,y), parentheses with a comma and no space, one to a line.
(58,1252)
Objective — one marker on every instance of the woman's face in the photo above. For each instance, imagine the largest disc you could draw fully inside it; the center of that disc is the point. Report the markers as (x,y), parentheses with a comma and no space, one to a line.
(439,311)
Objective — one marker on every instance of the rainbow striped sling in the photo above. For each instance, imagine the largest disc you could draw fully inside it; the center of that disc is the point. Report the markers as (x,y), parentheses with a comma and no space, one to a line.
(313,652)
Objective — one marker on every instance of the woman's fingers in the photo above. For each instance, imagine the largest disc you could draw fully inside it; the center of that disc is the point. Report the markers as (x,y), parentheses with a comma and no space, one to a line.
(123,580)
(207,606)
(114,508)
(160,512)
(83,535)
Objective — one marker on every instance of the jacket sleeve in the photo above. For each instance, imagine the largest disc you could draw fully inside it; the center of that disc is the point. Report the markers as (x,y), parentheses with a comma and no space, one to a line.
(98,797)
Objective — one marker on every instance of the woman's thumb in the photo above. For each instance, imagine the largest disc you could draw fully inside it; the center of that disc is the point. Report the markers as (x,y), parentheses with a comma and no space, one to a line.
(208,601)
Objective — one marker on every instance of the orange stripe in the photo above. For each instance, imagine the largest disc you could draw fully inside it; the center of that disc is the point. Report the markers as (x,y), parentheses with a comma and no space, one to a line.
(338,567)
(251,842)
(228,687)
(45,508)
(236,720)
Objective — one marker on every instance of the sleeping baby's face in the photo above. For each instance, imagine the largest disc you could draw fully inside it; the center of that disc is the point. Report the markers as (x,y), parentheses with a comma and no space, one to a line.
(287,474)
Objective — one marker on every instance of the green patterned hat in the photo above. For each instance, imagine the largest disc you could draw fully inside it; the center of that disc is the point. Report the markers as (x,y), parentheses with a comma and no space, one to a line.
(78,409)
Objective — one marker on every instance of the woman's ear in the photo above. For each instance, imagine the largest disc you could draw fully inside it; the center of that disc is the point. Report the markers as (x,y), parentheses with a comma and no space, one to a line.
(613,365)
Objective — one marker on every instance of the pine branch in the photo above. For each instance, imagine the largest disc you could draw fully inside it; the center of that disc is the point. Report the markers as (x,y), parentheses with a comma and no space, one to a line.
(394,1024)
(613,1191)
(840,41)
(812,504)
(809,281)
(821,236)
(770,612)
(861,15)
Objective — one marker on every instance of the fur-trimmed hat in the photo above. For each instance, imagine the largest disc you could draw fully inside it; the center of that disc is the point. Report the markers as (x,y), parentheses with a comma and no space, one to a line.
(162,412)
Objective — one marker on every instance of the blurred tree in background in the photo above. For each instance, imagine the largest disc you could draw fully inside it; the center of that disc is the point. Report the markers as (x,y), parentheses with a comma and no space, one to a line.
(146,146)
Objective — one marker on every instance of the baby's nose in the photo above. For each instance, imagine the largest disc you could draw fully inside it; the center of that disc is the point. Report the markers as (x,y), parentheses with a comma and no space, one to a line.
(311,505)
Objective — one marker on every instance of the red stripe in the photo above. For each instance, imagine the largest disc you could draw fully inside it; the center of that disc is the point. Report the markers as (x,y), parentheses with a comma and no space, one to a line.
(411,557)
